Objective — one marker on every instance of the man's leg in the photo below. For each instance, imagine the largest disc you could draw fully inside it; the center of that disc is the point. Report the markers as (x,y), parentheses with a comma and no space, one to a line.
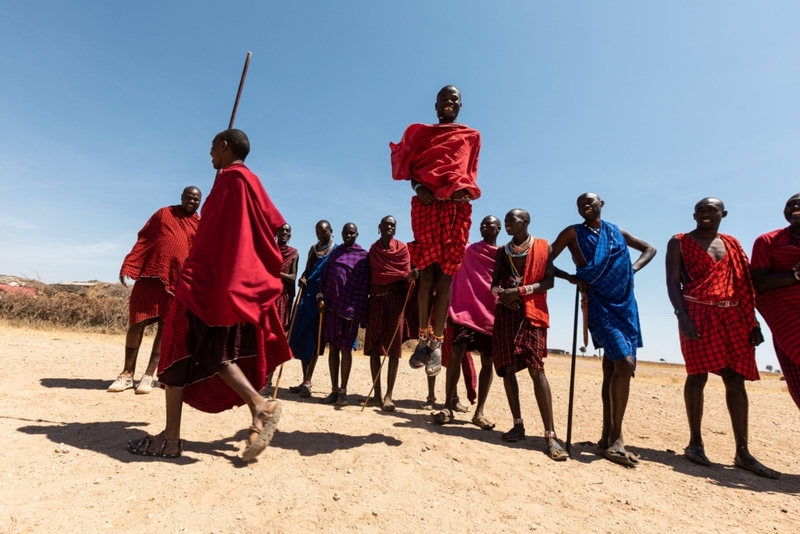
(694,398)
(391,377)
(333,367)
(374,367)
(155,445)
(430,402)
(424,302)
(453,374)
(347,364)
(619,391)
(605,394)
(155,352)
(443,283)
(544,398)
(512,394)
(484,384)
(739,408)
(260,408)
(133,340)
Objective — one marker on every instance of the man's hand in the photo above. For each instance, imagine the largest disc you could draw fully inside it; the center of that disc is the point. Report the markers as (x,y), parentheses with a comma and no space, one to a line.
(122,280)
(320,305)
(302,282)
(756,337)
(413,275)
(425,195)
(461,194)
(582,286)
(687,327)
(510,298)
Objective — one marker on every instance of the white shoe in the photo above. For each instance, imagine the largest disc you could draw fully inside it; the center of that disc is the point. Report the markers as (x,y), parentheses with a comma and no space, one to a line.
(145,385)
(121,384)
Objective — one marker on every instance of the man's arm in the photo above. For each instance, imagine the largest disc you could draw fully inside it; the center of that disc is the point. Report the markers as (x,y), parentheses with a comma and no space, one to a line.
(307,271)
(425,195)
(674,265)
(565,239)
(510,298)
(648,251)
(291,276)
(765,280)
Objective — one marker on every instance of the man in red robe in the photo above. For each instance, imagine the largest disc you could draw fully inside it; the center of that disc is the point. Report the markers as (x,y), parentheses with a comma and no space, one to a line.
(441,161)
(223,335)
(387,328)
(708,281)
(155,262)
(776,276)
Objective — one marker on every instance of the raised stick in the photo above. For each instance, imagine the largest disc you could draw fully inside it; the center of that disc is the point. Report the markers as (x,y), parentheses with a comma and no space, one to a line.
(239,92)
(288,337)
(572,375)
(386,352)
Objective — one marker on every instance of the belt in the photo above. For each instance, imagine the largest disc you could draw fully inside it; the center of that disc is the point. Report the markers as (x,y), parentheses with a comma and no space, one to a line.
(718,304)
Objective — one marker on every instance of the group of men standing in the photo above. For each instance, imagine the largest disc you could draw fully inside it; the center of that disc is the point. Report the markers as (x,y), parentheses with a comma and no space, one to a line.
(234,303)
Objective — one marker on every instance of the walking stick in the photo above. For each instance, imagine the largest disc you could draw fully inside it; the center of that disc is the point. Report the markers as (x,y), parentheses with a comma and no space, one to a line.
(386,352)
(288,337)
(572,375)
(238,95)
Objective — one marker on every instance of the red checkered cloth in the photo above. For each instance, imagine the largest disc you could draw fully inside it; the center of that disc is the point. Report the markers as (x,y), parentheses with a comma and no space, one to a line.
(285,301)
(515,340)
(385,313)
(441,233)
(192,353)
(149,301)
(724,331)
(162,246)
(779,251)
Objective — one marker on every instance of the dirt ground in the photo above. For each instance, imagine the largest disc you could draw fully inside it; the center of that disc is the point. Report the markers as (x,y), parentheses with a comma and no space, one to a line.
(64,465)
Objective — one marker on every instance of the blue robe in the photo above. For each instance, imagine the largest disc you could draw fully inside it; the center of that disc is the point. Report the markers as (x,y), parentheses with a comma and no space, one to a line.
(306,322)
(613,313)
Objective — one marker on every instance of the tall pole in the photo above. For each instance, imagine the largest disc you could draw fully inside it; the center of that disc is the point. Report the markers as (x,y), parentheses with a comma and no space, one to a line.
(239,92)
(572,374)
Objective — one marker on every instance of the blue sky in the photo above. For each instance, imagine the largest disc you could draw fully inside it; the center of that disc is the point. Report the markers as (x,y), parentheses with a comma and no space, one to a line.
(108,109)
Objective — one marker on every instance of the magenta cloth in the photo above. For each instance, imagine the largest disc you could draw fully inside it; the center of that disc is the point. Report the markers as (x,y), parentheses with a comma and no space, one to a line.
(472,303)
(345,282)
(467,365)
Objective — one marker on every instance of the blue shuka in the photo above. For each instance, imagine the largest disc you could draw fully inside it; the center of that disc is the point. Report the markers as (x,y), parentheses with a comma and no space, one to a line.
(613,313)
(306,322)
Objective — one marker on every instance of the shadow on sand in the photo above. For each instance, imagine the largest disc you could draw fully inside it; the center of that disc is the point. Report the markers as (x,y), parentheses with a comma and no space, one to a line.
(75,383)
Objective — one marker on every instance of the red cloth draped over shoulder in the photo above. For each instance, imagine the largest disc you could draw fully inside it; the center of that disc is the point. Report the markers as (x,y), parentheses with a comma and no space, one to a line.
(442,157)
(162,246)
(232,275)
(778,252)
(232,272)
(287,254)
(536,303)
(724,331)
(391,264)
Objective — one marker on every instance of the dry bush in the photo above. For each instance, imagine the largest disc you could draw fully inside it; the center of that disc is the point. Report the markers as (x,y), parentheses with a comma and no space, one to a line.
(101,308)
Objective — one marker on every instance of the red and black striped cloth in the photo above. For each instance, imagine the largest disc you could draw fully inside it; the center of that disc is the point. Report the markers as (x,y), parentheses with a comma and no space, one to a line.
(149,301)
(286,299)
(385,314)
(724,331)
(779,251)
(441,233)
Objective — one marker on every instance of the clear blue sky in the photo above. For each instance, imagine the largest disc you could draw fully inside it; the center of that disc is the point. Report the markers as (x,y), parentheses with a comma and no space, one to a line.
(107,110)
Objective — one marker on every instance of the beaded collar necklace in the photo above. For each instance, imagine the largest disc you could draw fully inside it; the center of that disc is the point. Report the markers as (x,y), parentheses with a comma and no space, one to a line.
(517,251)
(323,250)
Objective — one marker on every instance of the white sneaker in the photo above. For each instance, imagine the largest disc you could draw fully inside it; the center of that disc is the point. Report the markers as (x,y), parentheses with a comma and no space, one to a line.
(121,384)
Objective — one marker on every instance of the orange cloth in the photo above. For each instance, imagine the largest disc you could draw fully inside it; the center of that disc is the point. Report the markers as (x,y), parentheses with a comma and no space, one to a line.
(536,303)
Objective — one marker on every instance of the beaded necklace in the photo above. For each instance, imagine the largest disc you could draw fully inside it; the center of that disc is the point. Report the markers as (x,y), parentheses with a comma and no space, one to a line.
(518,251)
(595,231)
(323,250)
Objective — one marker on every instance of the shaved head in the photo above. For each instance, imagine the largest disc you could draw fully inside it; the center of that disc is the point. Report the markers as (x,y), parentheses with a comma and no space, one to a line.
(522,214)
(191,189)
(448,89)
(237,141)
(710,200)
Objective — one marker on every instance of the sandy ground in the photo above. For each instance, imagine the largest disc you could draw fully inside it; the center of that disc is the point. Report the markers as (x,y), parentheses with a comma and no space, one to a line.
(341,470)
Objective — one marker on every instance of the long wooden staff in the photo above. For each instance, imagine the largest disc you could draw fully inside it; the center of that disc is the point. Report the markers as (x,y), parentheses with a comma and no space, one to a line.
(238,95)
(319,336)
(386,351)
(585,310)
(288,337)
(572,374)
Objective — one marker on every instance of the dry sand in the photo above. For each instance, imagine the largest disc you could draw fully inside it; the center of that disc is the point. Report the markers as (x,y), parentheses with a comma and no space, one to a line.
(341,470)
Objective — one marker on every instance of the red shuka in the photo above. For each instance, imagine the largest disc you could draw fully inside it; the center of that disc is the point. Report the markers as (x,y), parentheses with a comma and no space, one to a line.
(232,275)
(442,157)
(389,265)
(162,246)
(724,331)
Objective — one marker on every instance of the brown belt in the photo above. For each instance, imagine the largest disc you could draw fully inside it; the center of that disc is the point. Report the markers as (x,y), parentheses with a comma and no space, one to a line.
(718,304)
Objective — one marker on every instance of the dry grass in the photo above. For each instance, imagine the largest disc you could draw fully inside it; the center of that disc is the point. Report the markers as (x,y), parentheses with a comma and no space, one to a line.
(102,308)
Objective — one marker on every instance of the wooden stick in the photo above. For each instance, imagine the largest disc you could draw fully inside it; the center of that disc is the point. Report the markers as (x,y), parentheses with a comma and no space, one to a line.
(585,310)
(239,92)
(386,352)
(572,375)
(288,337)
(319,336)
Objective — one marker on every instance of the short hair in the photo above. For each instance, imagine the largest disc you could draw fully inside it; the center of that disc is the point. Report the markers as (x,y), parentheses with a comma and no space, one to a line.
(323,222)
(523,214)
(448,89)
(190,189)
(710,199)
(388,217)
(237,141)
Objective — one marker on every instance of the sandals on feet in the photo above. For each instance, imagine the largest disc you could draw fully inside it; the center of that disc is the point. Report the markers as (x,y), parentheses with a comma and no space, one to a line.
(331,398)
(696,455)
(515,434)
(139,447)
(619,456)
(554,449)
(433,364)
(264,424)
(482,423)
(297,389)
(442,417)
(429,404)
(305,391)
(460,408)
(388,406)
(420,355)
(341,398)
(121,384)
(757,468)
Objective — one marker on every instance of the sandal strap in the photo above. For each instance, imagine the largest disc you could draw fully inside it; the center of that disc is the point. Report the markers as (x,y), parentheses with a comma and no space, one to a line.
(550,434)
